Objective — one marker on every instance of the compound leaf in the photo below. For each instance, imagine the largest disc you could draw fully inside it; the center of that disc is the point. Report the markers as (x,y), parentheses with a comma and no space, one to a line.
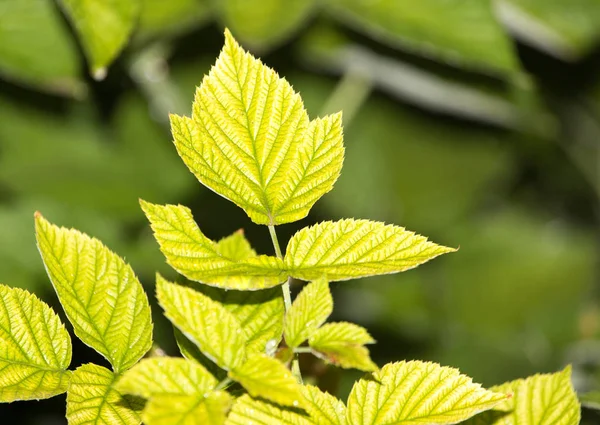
(547,399)
(250,140)
(248,410)
(349,249)
(104,27)
(92,399)
(310,309)
(323,408)
(216,331)
(198,258)
(417,392)
(343,345)
(100,293)
(166,375)
(210,409)
(35,348)
(268,378)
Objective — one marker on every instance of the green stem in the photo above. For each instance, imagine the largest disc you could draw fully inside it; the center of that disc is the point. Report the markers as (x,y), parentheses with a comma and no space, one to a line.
(287,299)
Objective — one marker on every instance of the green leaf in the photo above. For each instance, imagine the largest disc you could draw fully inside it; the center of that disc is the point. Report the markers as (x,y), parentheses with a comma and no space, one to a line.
(190,351)
(263,23)
(417,392)
(343,345)
(100,293)
(547,399)
(36,49)
(35,348)
(198,258)
(187,410)
(590,400)
(92,399)
(250,140)
(310,309)
(248,410)
(207,323)
(323,408)
(349,249)
(268,378)
(417,27)
(166,376)
(159,18)
(567,30)
(104,27)
(259,312)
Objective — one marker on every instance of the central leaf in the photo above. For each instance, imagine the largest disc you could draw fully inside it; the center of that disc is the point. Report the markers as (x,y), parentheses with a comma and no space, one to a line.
(250,140)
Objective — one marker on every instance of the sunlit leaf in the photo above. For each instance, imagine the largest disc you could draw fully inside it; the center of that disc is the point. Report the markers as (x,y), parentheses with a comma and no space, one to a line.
(268,378)
(104,27)
(190,351)
(538,400)
(35,348)
(215,330)
(310,309)
(349,249)
(92,399)
(343,344)
(187,410)
(198,258)
(248,410)
(323,408)
(99,292)
(417,392)
(250,140)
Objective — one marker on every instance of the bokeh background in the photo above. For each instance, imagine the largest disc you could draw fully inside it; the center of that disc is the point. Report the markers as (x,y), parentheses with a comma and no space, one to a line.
(474,122)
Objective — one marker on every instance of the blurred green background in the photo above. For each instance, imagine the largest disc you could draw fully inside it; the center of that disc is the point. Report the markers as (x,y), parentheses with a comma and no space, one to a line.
(474,122)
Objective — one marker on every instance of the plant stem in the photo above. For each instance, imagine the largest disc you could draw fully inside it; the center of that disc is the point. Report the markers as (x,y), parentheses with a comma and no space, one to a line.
(287,299)
(303,350)
(223,384)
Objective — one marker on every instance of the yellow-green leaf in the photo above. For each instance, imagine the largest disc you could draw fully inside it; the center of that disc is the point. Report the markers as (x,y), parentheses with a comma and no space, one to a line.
(323,408)
(310,309)
(198,258)
(166,375)
(268,378)
(190,351)
(417,393)
(100,293)
(104,27)
(248,410)
(349,249)
(260,313)
(35,348)
(187,410)
(343,345)
(92,399)
(250,140)
(547,399)
(207,323)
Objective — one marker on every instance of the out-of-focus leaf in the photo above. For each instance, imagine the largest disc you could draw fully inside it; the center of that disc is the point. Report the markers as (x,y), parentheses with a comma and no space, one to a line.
(104,27)
(263,23)
(590,400)
(246,409)
(464,33)
(566,29)
(36,49)
(159,18)
(188,410)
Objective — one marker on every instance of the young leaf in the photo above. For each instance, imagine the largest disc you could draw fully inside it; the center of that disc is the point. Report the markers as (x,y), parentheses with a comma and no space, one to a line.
(268,378)
(417,392)
(104,26)
(260,313)
(35,348)
(349,249)
(323,408)
(210,409)
(166,375)
(207,323)
(100,293)
(538,400)
(250,140)
(248,410)
(198,258)
(309,311)
(343,344)
(92,399)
